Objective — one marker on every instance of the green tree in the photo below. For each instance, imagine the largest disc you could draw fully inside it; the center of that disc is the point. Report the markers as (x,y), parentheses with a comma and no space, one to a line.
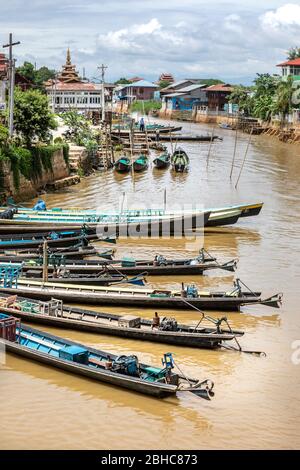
(293,53)
(27,70)
(283,102)
(122,81)
(43,74)
(32,117)
(264,96)
(210,81)
(164,83)
(79,127)
(241,96)
(4,135)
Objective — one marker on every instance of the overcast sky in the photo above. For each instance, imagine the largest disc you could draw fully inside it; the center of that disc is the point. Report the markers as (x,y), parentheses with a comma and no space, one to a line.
(231,40)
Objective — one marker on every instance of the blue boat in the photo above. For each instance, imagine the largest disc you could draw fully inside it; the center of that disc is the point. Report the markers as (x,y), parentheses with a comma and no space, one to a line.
(120,371)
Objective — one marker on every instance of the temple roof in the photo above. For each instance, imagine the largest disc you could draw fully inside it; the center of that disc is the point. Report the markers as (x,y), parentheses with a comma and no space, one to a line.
(69,73)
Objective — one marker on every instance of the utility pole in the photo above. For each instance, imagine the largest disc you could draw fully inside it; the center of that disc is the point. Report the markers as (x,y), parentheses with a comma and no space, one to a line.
(102,68)
(12,63)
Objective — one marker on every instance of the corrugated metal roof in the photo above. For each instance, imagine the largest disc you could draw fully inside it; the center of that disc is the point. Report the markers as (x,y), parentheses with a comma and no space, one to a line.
(176,84)
(141,83)
(192,87)
(173,95)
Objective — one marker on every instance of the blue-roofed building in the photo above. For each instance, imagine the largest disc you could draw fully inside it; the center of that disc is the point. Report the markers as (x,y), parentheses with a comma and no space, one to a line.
(185,98)
(141,90)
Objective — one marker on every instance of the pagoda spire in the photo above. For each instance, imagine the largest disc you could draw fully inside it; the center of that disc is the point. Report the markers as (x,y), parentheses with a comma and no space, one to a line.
(68,61)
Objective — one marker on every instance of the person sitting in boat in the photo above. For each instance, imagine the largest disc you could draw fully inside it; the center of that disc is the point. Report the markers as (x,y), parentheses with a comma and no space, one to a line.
(108,364)
(40,206)
(142,124)
(155,321)
(157,135)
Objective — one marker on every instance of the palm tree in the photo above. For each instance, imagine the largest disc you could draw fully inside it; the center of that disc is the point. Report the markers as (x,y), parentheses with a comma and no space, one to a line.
(284,94)
(294,53)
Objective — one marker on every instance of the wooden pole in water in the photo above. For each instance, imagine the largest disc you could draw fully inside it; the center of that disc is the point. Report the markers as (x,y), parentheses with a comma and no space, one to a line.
(122,204)
(236,184)
(165,198)
(234,151)
(45,261)
(131,149)
(210,145)
(171,141)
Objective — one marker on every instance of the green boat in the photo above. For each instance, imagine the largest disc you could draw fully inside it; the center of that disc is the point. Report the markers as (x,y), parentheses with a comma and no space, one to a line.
(163,161)
(123,165)
(141,163)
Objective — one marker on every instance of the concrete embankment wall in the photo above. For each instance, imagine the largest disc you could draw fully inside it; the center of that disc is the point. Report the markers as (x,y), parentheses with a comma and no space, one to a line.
(30,188)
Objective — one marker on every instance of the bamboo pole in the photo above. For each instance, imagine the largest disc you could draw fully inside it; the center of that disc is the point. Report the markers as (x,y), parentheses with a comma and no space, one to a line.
(246,152)
(234,152)
(165,199)
(210,145)
(131,149)
(45,261)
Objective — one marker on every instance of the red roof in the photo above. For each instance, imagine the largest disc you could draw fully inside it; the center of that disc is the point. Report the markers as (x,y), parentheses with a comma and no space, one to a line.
(3,63)
(219,87)
(290,62)
(76,86)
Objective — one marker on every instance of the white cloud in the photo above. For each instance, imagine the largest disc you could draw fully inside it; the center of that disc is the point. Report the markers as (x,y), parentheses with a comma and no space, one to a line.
(284,16)
(135,37)
(233,23)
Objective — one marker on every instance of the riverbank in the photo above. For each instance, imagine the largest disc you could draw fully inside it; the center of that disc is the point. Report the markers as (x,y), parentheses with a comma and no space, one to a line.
(287,134)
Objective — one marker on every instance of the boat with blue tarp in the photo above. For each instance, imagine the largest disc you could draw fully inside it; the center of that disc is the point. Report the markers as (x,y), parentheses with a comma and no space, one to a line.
(125,371)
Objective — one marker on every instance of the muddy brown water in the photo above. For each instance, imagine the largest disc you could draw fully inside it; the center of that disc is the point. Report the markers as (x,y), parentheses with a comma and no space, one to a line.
(257,403)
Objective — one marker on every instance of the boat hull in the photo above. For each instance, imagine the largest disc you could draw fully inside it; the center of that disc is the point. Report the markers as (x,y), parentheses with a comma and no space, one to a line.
(93,297)
(130,383)
(193,340)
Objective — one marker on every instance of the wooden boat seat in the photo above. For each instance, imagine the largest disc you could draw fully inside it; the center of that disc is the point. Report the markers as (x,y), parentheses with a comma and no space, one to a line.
(97,362)
(8,301)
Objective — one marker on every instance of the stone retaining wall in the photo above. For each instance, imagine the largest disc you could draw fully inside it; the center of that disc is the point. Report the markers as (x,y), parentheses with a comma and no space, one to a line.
(30,188)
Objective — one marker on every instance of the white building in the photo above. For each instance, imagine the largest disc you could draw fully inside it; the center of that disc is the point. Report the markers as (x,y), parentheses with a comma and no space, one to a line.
(69,91)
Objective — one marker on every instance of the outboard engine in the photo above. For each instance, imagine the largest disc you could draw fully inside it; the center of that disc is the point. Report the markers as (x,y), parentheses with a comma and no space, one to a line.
(127,365)
(168,324)
(191,291)
(8,214)
(160,260)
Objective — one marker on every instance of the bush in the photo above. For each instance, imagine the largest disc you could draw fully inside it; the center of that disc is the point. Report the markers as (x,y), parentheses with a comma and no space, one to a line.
(145,107)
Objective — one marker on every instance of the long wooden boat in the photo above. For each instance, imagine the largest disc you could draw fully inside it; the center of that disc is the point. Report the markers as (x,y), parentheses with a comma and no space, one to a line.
(185,138)
(57,315)
(120,371)
(180,160)
(246,209)
(141,163)
(53,239)
(166,225)
(162,161)
(123,165)
(224,218)
(86,279)
(187,298)
(124,132)
(158,267)
(75,254)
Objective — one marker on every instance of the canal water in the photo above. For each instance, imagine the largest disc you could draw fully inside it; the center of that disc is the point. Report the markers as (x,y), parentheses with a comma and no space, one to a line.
(257,402)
